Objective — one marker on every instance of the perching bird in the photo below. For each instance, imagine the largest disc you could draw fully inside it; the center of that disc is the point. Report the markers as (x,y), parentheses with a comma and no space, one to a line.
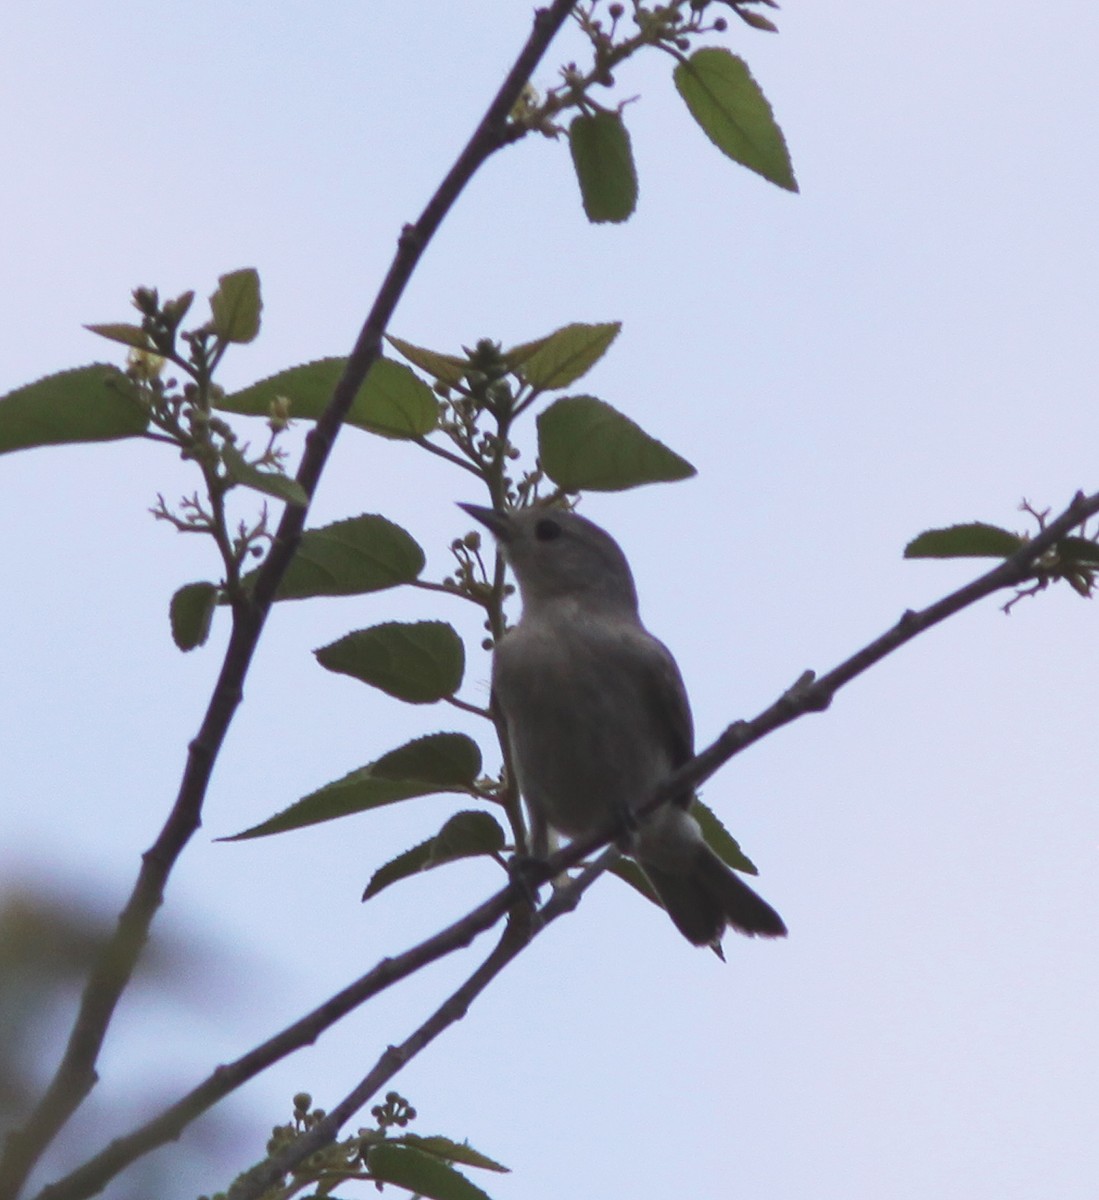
(597,717)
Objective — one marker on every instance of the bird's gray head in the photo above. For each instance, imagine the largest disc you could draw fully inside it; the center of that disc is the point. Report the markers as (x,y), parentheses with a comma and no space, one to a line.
(557,555)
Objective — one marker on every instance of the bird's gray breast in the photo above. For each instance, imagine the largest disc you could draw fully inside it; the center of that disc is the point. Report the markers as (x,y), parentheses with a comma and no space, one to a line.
(586,723)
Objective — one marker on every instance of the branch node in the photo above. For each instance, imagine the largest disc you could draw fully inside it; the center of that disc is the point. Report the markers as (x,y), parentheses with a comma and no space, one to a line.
(908,620)
(802,697)
(410,238)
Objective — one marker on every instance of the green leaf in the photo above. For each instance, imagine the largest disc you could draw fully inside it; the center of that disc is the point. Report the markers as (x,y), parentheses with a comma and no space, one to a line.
(191,611)
(448,369)
(975,540)
(395,402)
(308,387)
(271,483)
(603,161)
(467,834)
(757,20)
(390,1162)
(347,558)
(584,444)
(420,662)
(440,762)
(236,306)
(517,355)
(1078,551)
(629,872)
(90,404)
(392,402)
(411,862)
(720,840)
(734,114)
(442,758)
(566,354)
(128,335)
(444,1147)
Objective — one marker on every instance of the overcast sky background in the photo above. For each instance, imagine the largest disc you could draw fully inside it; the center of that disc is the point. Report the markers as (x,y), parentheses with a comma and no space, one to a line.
(908,343)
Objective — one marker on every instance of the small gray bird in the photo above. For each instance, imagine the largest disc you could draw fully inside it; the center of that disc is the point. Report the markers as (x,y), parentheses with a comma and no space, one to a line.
(597,717)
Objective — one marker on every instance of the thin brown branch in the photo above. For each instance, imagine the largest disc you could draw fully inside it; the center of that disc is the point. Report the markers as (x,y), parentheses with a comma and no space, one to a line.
(809,694)
(93,1175)
(448,455)
(465,706)
(90,1178)
(517,935)
(427,585)
(76,1074)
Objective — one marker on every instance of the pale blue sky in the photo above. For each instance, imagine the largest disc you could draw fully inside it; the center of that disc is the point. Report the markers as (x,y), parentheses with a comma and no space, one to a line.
(908,343)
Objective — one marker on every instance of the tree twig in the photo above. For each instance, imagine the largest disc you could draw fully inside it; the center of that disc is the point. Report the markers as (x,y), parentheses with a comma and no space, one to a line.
(93,1175)
(76,1074)
(808,694)
(517,935)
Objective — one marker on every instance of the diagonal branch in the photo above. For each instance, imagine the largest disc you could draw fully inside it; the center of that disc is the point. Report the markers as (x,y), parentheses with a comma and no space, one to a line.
(517,935)
(811,694)
(807,695)
(93,1175)
(76,1075)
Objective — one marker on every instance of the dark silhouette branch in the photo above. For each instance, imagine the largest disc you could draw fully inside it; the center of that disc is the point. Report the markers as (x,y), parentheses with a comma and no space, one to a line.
(76,1074)
(809,694)
(92,1176)
(517,935)
(812,694)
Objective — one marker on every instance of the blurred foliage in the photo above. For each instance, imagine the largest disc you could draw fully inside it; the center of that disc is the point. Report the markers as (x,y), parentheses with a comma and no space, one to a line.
(47,946)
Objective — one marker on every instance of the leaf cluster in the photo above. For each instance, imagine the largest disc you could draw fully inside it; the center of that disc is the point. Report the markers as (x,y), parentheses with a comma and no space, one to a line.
(715,84)
(1073,558)
(423,1166)
(462,407)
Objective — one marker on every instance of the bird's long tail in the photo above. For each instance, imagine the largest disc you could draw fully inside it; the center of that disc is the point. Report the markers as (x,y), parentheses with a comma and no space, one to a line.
(709,897)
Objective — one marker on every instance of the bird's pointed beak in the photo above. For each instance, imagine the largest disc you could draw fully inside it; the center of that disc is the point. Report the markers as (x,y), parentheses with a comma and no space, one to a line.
(498,523)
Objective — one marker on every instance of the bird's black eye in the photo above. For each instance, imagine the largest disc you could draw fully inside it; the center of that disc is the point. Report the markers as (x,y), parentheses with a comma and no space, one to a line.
(546,530)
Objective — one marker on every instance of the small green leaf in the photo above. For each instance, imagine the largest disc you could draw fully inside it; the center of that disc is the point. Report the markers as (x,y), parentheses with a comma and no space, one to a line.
(448,369)
(975,540)
(395,402)
(450,759)
(584,444)
(757,20)
(90,404)
(236,306)
(271,483)
(419,662)
(390,1162)
(1078,551)
(128,335)
(308,387)
(561,359)
(175,310)
(347,558)
(467,834)
(440,762)
(443,1147)
(720,840)
(411,862)
(392,402)
(191,611)
(629,872)
(603,161)
(517,355)
(734,114)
